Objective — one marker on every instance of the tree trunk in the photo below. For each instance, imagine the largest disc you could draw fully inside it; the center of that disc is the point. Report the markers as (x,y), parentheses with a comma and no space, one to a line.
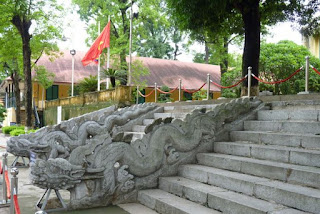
(207,52)
(251,53)
(113,82)
(15,80)
(23,25)
(224,63)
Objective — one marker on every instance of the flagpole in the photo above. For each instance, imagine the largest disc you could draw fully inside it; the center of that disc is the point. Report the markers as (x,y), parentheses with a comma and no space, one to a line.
(130,46)
(99,60)
(108,60)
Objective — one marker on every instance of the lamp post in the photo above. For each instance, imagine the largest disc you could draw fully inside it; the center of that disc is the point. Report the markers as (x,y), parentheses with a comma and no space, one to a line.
(72,52)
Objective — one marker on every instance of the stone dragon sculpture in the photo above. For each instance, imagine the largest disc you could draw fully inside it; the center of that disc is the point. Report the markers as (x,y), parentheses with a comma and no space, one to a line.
(92,156)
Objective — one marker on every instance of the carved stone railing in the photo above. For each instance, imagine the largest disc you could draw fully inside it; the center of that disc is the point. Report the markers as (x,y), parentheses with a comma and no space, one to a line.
(91,157)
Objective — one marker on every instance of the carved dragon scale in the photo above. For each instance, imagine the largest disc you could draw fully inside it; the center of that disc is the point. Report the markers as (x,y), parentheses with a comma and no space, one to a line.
(91,157)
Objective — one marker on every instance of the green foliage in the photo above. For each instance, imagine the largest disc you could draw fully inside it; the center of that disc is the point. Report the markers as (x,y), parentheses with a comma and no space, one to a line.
(230,17)
(21,45)
(164,98)
(17,132)
(8,129)
(153,32)
(138,71)
(88,84)
(200,95)
(280,60)
(3,112)
(44,77)
(231,77)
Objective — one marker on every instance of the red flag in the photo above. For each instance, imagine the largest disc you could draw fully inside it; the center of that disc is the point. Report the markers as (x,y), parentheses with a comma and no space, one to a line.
(103,41)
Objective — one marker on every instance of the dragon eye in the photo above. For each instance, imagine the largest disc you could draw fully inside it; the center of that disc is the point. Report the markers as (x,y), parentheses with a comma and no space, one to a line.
(90,136)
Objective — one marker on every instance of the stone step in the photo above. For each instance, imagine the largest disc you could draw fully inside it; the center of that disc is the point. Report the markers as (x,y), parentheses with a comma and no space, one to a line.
(218,198)
(134,208)
(166,203)
(294,196)
(270,152)
(296,115)
(296,105)
(173,115)
(290,173)
(309,141)
(138,128)
(307,127)
(147,121)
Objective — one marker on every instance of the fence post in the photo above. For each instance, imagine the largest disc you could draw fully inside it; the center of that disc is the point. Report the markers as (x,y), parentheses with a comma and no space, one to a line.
(179,90)
(208,86)
(14,188)
(137,95)
(4,186)
(249,80)
(155,92)
(307,75)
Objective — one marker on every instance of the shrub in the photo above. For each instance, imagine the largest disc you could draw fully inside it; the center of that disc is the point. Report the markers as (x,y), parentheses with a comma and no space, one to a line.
(164,98)
(200,95)
(17,132)
(8,129)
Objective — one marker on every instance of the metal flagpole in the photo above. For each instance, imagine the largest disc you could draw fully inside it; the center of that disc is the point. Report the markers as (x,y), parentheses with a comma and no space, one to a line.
(99,60)
(108,59)
(130,46)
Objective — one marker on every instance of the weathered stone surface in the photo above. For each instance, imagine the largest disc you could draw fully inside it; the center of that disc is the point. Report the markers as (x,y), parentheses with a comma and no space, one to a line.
(189,189)
(100,160)
(304,127)
(283,154)
(309,141)
(303,175)
(299,197)
(240,149)
(164,202)
(231,202)
(302,198)
(134,208)
(310,115)
(223,178)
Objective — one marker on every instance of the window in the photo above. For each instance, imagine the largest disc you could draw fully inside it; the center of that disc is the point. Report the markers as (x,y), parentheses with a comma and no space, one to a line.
(52,93)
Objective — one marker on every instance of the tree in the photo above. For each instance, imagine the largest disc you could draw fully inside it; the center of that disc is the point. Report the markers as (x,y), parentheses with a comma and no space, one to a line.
(154,40)
(11,59)
(88,84)
(44,78)
(152,30)
(208,14)
(138,71)
(278,61)
(21,14)
(99,11)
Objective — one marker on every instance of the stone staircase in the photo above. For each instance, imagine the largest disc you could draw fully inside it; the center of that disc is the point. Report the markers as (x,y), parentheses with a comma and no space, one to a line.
(174,112)
(272,166)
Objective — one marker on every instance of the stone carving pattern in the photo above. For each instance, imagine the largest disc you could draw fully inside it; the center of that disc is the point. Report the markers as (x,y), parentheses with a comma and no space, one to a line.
(87,157)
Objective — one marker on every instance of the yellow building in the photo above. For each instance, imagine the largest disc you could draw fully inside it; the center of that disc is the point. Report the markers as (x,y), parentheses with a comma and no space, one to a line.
(62,68)
(313,44)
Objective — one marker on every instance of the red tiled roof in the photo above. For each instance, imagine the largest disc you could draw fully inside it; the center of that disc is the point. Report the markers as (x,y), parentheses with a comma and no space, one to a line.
(62,67)
(168,72)
(163,72)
